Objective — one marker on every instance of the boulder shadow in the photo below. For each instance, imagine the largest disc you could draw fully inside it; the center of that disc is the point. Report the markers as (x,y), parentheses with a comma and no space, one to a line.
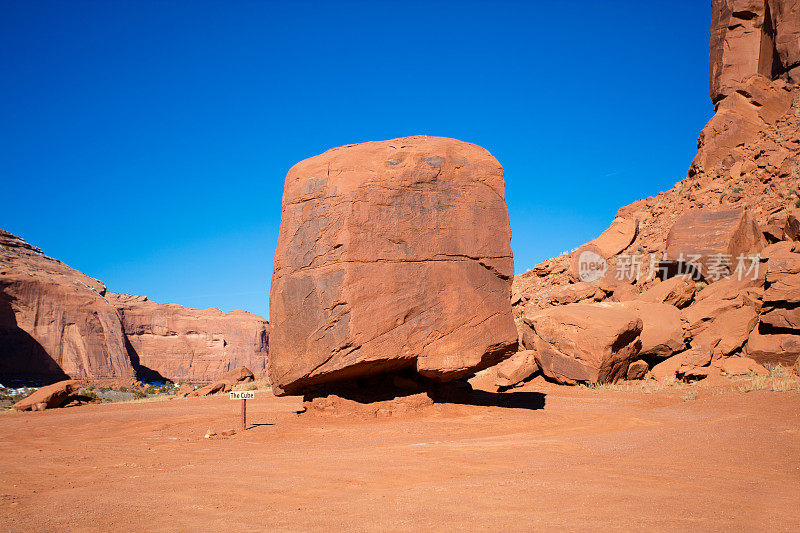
(406,385)
(464,394)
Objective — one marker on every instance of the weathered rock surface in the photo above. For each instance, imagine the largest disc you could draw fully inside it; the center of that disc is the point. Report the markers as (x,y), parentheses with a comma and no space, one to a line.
(637,370)
(54,321)
(778,348)
(714,241)
(750,37)
(225,383)
(781,308)
(168,341)
(185,389)
(741,366)
(668,369)
(619,235)
(584,343)
(577,292)
(391,255)
(662,328)
(677,291)
(516,368)
(722,318)
(48,397)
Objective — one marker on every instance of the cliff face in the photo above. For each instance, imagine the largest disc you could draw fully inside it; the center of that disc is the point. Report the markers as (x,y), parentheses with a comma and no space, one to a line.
(194,345)
(750,37)
(54,321)
(57,323)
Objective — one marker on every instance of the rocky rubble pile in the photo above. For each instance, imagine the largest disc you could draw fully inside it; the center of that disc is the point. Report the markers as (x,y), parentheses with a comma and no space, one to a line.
(708,267)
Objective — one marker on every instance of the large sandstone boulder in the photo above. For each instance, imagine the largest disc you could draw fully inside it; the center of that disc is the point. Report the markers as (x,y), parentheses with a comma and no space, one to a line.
(54,321)
(584,343)
(48,397)
(172,342)
(391,255)
(572,293)
(712,242)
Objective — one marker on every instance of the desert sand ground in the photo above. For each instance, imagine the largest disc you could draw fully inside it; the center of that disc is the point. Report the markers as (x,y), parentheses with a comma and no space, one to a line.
(567,458)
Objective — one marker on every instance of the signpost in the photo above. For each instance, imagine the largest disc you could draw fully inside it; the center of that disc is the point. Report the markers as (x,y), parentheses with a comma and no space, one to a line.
(244,396)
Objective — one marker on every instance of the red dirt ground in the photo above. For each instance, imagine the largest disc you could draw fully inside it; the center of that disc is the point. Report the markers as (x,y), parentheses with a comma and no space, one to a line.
(589,459)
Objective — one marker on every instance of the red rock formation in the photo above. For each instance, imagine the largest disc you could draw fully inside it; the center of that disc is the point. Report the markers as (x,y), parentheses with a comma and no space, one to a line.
(678,291)
(54,321)
(716,239)
(750,37)
(49,396)
(584,343)
(662,328)
(740,193)
(391,255)
(190,345)
(516,368)
(225,383)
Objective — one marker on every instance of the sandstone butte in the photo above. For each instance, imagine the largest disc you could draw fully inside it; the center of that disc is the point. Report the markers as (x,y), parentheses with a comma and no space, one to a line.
(740,199)
(392,255)
(57,323)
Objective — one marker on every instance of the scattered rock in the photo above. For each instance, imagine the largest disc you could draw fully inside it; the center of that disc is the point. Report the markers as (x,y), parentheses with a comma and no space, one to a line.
(677,291)
(668,368)
(225,383)
(637,370)
(48,397)
(779,348)
(741,366)
(337,406)
(516,368)
(572,293)
(184,390)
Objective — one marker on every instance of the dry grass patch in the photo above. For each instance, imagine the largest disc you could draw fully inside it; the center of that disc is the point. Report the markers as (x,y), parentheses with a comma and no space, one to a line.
(779,379)
(646,386)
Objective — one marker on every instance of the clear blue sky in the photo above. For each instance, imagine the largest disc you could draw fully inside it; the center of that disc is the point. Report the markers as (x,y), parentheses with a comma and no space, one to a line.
(145,143)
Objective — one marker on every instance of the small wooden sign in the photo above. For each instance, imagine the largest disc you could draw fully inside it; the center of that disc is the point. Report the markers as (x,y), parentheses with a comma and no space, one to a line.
(242,395)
